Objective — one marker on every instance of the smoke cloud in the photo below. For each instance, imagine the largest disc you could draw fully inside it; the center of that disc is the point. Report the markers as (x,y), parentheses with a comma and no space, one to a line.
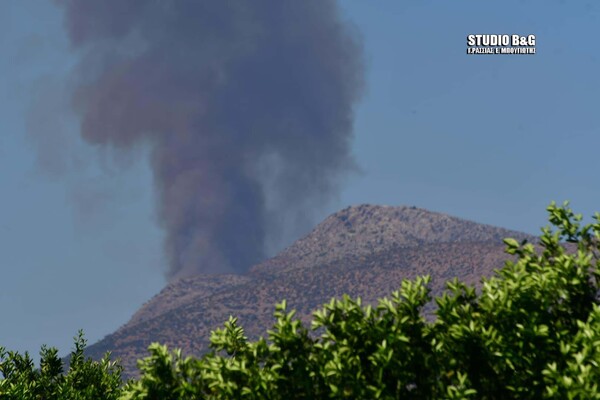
(247,107)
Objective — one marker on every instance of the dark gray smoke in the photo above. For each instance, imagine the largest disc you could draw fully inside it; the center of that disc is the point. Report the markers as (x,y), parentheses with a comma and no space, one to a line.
(246,105)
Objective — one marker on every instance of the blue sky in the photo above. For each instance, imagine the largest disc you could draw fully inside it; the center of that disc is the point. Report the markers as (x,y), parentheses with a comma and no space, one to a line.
(488,138)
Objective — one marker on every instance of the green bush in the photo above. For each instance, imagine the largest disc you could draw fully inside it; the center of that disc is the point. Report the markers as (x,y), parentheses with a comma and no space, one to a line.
(531,332)
(85,379)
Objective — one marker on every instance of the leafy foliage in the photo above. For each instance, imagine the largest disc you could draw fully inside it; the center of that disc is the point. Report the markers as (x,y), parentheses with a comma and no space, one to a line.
(85,379)
(532,331)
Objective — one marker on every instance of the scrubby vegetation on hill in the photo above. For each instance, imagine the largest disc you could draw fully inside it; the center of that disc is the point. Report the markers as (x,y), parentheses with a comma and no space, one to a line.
(532,331)
(364,251)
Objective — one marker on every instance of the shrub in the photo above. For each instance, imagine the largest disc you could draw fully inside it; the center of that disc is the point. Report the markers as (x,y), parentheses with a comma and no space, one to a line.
(532,331)
(85,378)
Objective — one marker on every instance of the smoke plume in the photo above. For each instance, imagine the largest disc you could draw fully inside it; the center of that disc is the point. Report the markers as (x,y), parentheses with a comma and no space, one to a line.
(247,107)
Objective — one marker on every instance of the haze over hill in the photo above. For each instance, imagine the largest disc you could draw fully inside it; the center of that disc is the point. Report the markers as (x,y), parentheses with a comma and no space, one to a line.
(363,251)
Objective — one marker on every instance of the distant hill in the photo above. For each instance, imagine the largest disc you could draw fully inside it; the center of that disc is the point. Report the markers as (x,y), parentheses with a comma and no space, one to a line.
(362,250)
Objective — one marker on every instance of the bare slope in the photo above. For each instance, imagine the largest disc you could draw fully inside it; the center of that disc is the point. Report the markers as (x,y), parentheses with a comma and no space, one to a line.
(367,229)
(364,251)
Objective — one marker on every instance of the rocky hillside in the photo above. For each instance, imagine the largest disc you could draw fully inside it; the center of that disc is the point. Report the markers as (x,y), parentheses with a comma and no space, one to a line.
(366,229)
(364,251)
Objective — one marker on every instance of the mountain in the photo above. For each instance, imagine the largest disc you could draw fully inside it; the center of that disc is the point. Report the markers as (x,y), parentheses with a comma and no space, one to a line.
(362,250)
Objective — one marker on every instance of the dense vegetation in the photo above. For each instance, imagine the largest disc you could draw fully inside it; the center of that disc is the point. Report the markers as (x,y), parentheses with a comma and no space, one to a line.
(531,332)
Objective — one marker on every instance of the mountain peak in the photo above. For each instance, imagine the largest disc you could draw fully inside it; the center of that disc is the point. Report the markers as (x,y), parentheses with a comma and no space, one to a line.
(365,229)
(363,251)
